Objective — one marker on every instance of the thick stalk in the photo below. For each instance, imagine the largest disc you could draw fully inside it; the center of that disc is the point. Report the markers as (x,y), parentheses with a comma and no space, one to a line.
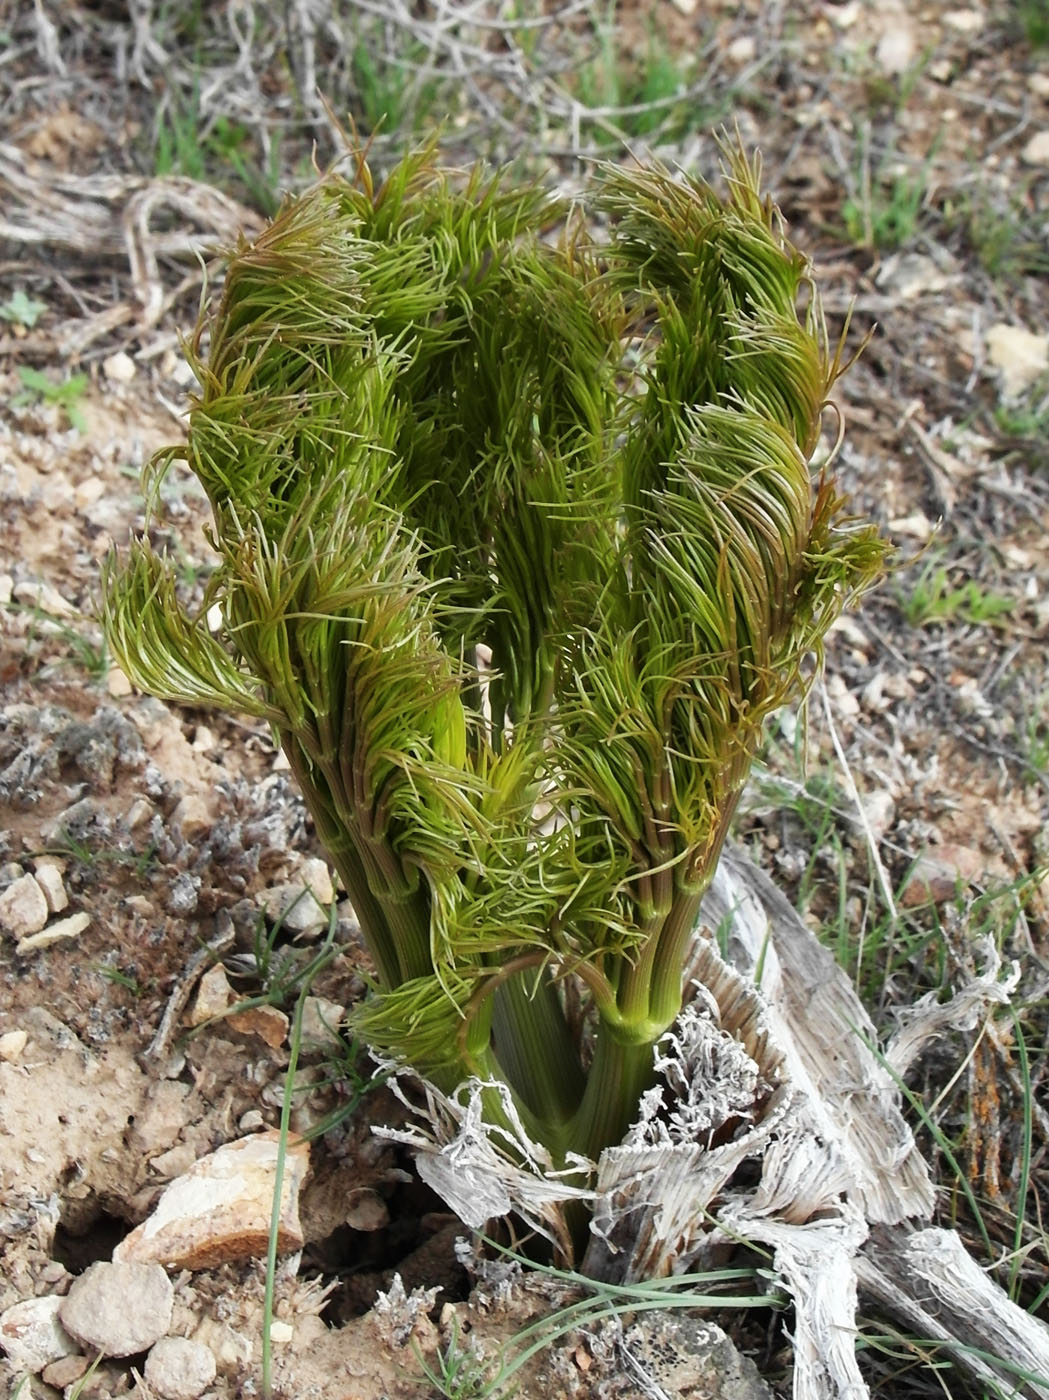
(619,1075)
(535,1050)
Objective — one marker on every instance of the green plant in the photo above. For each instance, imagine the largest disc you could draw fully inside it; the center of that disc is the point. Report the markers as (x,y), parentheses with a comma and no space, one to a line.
(66,395)
(641,94)
(933,598)
(1034,21)
(516,630)
(21,310)
(459,1372)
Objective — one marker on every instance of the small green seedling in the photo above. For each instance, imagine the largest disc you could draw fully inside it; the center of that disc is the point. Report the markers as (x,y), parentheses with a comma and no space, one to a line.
(21,310)
(935,599)
(66,394)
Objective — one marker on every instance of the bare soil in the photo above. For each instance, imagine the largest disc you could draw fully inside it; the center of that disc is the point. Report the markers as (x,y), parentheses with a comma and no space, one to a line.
(907,144)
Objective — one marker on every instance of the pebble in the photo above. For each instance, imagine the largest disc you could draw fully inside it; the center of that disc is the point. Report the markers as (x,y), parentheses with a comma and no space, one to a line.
(965,21)
(66,1371)
(119,368)
(12,1043)
(23,908)
(72,927)
(938,875)
(220,1209)
(214,996)
(294,907)
(32,1335)
(192,817)
(117,683)
(7,588)
(896,50)
(35,593)
(118,1309)
(1020,356)
(321,1020)
(49,878)
(267,1022)
(179,1369)
(1036,152)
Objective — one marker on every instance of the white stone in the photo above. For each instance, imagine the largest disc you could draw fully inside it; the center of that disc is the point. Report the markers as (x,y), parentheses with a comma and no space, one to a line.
(119,368)
(316,876)
(120,1308)
(49,878)
(294,906)
(1020,356)
(1038,82)
(23,908)
(72,927)
(220,1209)
(1036,151)
(742,50)
(35,593)
(965,21)
(32,1335)
(178,1369)
(281,1332)
(7,588)
(12,1043)
(321,1020)
(896,50)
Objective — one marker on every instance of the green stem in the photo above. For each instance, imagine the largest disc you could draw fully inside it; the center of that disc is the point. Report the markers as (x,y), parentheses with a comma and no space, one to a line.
(535,1049)
(619,1075)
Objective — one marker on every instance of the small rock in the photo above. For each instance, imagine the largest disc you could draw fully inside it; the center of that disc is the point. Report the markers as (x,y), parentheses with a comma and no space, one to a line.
(880,811)
(88,491)
(908,276)
(7,588)
(1036,151)
(1020,356)
(267,1022)
(49,878)
(742,49)
(938,875)
(72,927)
(176,1161)
(281,1332)
(35,593)
(321,1020)
(119,368)
(214,996)
(117,683)
(32,1335)
(140,904)
(23,908)
(251,1121)
(178,1369)
(192,817)
(204,740)
(183,893)
(690,1356)
(220,1210)
(896,50)
(12,1043)
(368,1212)
(965,21)
(118,1309)
(66,1371)
(294,907)
(315,875)
(140,812)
